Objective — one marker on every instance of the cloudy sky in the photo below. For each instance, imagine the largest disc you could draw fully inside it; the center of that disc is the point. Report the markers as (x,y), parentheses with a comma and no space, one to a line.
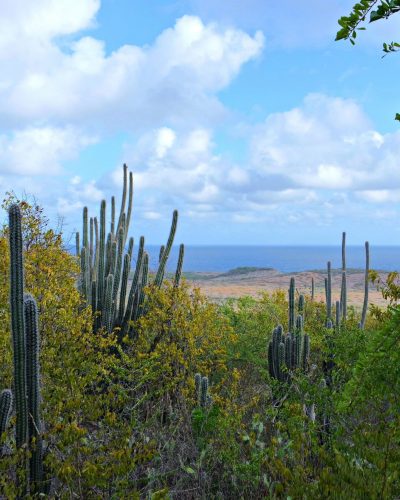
(246,116)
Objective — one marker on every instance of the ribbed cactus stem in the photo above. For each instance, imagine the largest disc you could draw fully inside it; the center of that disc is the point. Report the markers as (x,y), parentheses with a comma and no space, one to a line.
(312,289)
(5,409)
(291,305)
(33,392)
(130,204)
(133,295)
(108,305)
(130,247)
(118,264)
(112,229)
(124,284)
(123,200)
(85,240)
(366,278)
(300,307)
(160,253)
(337,315)
(77,245)
(91,245)
(101,257)
(178,271)
(161,268)
(343,290)
(329,292)
(18,324)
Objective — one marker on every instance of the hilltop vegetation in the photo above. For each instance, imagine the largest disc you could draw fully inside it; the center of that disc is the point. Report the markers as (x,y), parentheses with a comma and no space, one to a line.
(199,400)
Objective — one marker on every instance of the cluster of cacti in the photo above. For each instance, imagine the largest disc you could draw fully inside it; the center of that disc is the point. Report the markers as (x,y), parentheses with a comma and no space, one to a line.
(204,399)
(105,266)
(25,335)
(290,351)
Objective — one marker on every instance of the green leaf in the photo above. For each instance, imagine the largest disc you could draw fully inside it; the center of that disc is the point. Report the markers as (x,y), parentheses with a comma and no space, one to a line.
(340,35)
(374,16)
(397,117)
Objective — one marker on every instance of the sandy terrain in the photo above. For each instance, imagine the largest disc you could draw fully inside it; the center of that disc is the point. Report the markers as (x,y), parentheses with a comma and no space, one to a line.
(219,286)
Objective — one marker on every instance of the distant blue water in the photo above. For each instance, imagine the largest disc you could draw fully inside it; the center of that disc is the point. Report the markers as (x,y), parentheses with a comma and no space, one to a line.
(285,259)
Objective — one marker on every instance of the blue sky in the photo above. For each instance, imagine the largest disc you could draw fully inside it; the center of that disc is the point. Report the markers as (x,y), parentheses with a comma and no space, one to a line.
(246,116)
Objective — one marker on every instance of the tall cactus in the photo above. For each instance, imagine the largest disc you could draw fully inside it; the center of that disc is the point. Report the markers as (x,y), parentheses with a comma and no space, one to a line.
(33,394)
(289,351)
(328,293)
(24,323)
(106,256)
(18,324)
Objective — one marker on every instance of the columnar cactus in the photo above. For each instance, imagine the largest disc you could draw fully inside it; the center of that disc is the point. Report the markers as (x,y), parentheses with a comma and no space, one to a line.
(289,351)
(26,360)
(202,395)
(312,289)
(179,265)
(328,293)
(33,392)
(18,324)
(103,256)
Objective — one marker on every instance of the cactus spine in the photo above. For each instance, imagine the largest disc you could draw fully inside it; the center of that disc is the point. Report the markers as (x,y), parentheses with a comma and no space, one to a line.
(365,304)
(103,255)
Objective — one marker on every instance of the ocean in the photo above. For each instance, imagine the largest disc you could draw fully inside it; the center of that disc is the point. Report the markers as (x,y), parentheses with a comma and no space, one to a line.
(283,258)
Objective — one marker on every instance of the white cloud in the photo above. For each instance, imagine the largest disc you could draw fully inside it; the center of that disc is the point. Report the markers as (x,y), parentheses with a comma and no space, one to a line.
(40,150)
(327,143)
(175,79)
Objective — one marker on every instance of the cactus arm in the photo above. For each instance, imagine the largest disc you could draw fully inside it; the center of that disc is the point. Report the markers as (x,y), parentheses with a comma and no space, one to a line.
(178,271)
(33,392)
(107,311)
(85,240)
(130,204)
(161,268)
(329,293)
(112,229)
(124,285)
(123,200)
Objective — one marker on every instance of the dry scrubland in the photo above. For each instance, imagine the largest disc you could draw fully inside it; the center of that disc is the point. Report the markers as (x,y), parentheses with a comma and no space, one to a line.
(220,286)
